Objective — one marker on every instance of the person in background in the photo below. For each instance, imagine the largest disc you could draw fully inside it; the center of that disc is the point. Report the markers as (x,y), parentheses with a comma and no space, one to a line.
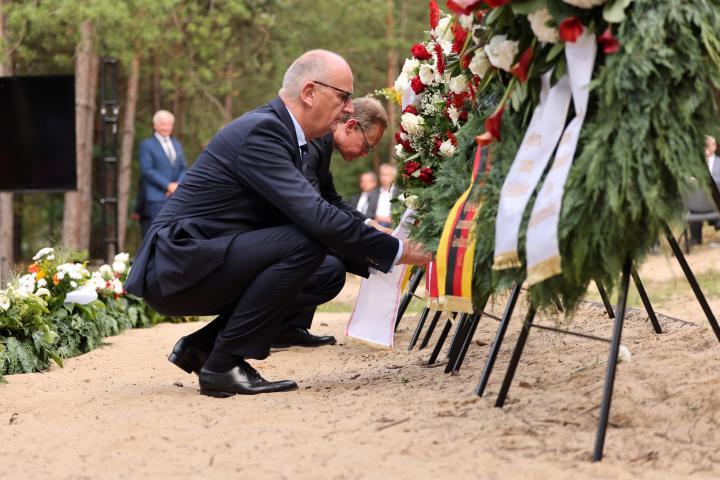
(386,192)
(711,157)
(162,168)
(365,202)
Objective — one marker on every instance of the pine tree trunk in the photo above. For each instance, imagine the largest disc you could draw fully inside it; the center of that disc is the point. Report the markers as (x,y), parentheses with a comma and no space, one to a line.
(77,214)
(126,149)
(6,199)
(391,72)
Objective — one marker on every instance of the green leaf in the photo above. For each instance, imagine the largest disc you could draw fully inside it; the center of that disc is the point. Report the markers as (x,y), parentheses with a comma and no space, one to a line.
(614,11)
(523,7)
(556,50)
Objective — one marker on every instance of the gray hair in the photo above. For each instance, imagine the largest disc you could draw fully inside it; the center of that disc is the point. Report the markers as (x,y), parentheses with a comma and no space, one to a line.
(368,112)
(308,67)
(160,114)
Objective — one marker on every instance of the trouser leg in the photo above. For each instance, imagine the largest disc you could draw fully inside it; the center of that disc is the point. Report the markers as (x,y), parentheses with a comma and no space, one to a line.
(324,285)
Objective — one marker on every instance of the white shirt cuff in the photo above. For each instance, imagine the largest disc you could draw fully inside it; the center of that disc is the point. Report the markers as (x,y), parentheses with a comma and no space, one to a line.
(367,221)
(399,252)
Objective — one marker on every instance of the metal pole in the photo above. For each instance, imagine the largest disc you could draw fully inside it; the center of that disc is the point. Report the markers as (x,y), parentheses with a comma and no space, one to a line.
(515,359)
(612,364)
(646,301)
(405,301)
(605,299)
(430,330)
(441,341)
(418,328)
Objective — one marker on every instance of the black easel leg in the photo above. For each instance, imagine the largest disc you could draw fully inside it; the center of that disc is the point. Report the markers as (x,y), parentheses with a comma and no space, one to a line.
(692,281)
(605,299)
(646,301)
(418,328)
(517,353)
(499,336)
(459,334)
(440,342)
(415,278)
(612,364)
(474,322)
(430,330)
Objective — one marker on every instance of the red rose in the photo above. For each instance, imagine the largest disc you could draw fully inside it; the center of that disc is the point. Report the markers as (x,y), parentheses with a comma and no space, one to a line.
(458,99)
(420,52)
(411,109)
(460,35)
(410,168)
(496,3)
(440,59)
(494,122)
(435,14)
(426,175)
(608,42)
(417,85)
(452,138)
(570,29)
(437,142)
(459,9)
(520,69)
(397,137)
(465,61)
(406,145)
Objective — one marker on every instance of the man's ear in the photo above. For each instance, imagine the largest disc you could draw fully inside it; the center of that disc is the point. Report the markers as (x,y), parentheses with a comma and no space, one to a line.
(350,125)
(307,94)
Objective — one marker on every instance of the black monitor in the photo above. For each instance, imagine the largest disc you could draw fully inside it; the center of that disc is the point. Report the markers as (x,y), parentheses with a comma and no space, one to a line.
(37,133)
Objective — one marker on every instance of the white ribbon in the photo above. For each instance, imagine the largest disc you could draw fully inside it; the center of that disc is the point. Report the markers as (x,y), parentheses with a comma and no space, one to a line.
(542,249)
(530,161)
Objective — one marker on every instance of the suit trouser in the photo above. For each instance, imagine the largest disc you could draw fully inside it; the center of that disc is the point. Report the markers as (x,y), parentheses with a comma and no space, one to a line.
(268,276)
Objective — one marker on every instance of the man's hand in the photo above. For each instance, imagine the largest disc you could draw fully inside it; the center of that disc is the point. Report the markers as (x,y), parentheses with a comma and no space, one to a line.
(414,254)
(379,227)
(171,188)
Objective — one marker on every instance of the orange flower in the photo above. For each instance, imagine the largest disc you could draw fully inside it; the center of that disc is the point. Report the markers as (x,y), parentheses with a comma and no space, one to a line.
(56,280)
(33,268)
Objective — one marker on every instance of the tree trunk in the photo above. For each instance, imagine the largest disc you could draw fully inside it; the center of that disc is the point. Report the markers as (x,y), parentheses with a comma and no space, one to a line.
(77,213)
(126,149)
(6,199)
(391,72)
(156,89)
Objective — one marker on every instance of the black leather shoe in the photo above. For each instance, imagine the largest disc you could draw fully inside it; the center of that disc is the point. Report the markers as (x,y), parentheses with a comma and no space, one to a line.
(301,337)
(187,356)
(241,380)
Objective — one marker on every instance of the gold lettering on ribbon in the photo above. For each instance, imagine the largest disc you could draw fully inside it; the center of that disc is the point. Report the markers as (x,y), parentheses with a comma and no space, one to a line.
(516,190)
(464,225)
(526,166)
(561,161)
(544,214)
(534,140)
(548,188)
(566,138)
(460,242)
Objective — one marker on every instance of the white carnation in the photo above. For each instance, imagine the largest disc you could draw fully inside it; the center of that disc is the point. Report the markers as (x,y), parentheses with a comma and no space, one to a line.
(402,83)
(587,4)
(443,31)
(479,64)
(412,124)
(399,151)
(119,267)
(412,202)
(466,21)
(459,84)
(411,66)
(428,74)
(501,52)
(122,257)
(447,149)
(538,23)
(42,282)
(43,252)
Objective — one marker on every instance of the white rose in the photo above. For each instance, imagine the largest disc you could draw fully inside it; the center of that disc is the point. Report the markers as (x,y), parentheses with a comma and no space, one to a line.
(538,23)
(42,292)
(122,257)
(479,64)
(501,52)
(459,84)
(412,202)
(447,149)
(119,267)
(399,151)
(411,66)
(106,271)
(412,124)
(584,3)
(428,75)
(443,30)
(402,83)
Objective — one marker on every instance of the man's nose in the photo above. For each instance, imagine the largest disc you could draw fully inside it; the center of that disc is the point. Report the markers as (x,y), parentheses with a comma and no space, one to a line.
(348,108)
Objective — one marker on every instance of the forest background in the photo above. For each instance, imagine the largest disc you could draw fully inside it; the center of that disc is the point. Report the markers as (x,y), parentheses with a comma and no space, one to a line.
(207,61)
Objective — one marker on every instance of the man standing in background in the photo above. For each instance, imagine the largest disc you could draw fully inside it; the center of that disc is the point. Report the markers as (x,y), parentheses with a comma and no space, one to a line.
(365,202)
(162,167)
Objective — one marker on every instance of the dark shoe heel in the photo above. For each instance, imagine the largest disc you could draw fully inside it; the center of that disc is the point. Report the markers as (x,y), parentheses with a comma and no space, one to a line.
(216,394)
(180,362)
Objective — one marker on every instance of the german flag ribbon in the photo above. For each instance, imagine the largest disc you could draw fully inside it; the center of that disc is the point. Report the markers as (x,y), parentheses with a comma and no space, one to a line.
(456,252)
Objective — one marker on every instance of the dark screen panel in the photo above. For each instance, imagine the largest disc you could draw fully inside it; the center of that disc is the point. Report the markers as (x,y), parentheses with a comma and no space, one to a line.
(37,133)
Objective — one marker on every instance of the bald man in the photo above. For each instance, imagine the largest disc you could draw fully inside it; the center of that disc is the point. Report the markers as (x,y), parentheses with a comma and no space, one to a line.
(246,236)
(162,167)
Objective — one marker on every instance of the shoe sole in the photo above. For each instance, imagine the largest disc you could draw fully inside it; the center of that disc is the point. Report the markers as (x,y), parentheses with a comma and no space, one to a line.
(219,394)
(304,345)
(181,363)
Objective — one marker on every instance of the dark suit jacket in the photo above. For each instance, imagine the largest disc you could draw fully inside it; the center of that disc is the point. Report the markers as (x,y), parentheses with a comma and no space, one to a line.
(248,178)
(157,171)
(373,196)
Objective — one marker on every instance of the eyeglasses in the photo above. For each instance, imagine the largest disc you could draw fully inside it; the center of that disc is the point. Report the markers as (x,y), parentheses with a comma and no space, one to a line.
(366,147)
(344,95)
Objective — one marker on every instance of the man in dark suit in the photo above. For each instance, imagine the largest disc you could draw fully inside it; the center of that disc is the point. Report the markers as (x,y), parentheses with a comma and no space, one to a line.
(162,167)
(357,134)
(245,236)
(365,202)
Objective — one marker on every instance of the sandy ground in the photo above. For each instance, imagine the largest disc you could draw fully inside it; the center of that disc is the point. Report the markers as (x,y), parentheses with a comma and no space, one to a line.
(123,411)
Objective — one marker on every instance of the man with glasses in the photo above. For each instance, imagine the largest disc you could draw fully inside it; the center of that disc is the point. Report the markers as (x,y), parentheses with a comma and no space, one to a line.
(357,134)
(246,237)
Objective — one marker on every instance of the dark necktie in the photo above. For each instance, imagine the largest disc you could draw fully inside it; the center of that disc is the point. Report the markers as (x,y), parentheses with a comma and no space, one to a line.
(308,169)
